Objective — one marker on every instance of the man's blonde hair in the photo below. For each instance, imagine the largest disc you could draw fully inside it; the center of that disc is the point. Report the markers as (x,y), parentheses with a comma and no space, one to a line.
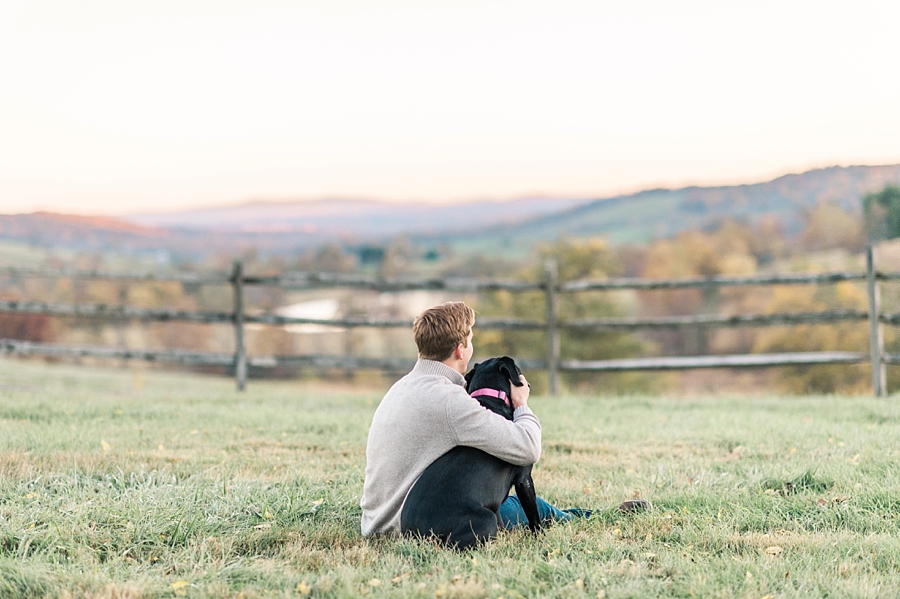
(439,330)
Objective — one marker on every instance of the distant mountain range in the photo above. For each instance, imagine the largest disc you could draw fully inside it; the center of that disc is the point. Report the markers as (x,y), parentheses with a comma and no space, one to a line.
(486,226)
(270,227)
(355,219)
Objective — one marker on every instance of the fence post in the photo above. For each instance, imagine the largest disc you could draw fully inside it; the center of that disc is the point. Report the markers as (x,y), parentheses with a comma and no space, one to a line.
(552,276)
(876,333)
(240,358)
(122,323)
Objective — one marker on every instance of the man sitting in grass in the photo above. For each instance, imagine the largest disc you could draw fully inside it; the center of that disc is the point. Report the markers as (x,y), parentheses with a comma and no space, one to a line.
(428,412)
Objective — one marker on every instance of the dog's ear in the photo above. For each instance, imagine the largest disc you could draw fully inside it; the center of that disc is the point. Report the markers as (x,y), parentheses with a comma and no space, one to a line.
(511,369)
(469,376)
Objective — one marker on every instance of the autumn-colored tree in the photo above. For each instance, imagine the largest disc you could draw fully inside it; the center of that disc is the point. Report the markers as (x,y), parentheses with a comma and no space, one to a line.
(328,258)
(481,265)
(847,336)
(693,254)
(398,258)
(829,226)
(767,241)
(26,327)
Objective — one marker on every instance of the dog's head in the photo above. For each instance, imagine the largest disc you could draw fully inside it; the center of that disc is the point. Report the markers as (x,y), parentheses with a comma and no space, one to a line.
(494,375)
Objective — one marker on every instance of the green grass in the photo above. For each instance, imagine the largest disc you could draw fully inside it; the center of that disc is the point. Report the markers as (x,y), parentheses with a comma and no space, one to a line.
(141,483)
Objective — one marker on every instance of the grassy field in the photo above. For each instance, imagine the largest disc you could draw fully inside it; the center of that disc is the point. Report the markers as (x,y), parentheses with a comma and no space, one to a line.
(139,483)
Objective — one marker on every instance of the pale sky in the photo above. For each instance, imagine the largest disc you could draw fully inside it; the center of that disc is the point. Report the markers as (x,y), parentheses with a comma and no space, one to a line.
(108,107)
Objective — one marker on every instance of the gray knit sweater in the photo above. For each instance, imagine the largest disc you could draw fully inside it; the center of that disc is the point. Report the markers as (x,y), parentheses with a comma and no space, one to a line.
(424,415)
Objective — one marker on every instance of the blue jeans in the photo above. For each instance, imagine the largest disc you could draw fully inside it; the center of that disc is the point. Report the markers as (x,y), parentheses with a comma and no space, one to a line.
(513,515)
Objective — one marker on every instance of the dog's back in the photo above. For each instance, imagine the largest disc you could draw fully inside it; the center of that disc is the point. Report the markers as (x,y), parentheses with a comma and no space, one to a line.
(457,498)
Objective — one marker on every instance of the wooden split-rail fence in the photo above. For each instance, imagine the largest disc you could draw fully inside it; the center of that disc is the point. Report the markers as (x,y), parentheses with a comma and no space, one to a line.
(552,325)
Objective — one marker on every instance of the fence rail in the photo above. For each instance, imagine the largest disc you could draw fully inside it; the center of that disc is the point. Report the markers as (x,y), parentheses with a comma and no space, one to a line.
(305,280)
(120,312)
(27,348)
(113,312)
(313,280)
(715,281)
(552,325)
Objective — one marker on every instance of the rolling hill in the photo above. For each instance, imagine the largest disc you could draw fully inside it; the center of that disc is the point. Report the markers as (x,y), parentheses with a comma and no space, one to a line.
(660,213)
(350,219)
(513,227)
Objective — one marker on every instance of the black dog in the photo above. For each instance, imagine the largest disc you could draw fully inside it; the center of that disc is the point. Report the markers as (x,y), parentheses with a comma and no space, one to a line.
(457,499)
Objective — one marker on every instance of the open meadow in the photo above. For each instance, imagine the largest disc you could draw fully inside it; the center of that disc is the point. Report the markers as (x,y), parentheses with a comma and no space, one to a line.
(134,482)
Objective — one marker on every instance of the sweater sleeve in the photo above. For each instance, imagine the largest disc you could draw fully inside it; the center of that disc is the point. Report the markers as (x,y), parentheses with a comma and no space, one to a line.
(517,442)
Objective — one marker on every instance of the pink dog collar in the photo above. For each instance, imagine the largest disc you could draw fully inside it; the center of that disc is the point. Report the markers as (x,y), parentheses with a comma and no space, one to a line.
(490,393)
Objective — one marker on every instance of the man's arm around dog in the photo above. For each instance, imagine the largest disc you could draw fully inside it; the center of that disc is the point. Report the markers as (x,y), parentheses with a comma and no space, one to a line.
(424,415)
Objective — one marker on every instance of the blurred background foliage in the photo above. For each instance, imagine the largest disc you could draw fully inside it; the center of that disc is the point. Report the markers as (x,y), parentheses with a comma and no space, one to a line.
(832,239)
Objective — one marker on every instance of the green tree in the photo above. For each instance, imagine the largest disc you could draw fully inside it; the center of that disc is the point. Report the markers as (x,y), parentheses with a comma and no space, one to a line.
(882,210)
(576,259)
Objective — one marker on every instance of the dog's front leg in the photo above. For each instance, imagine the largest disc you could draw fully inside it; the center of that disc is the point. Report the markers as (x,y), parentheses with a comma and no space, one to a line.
(528,499)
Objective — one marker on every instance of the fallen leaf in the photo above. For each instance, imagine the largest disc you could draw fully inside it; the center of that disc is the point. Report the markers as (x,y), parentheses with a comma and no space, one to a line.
(374,582)
(105,446)
(180,587)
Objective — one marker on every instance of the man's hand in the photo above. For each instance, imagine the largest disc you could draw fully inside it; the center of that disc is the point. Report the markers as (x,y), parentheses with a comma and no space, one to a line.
(518,396)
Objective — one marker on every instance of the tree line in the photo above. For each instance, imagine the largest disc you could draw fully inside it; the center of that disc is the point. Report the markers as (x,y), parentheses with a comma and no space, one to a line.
(831,239)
